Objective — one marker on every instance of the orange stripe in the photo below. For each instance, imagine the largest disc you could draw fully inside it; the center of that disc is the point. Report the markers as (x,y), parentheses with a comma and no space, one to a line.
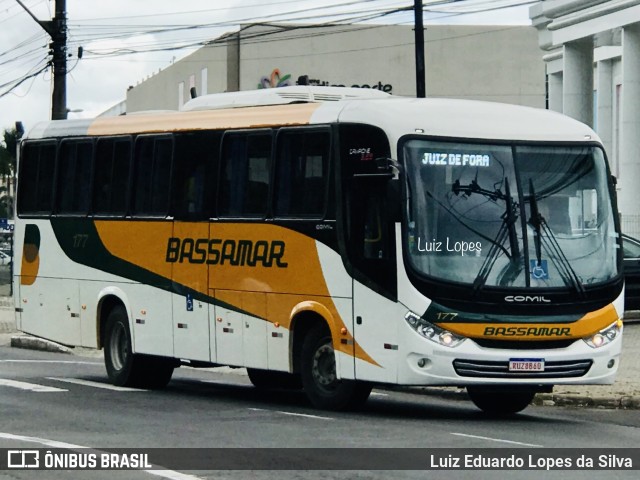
(586,326)
(30,264)
(300,285)
(250,117)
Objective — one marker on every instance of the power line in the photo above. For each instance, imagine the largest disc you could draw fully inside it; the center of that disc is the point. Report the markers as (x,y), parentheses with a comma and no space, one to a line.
(82,33)
(197,35)
(16,83)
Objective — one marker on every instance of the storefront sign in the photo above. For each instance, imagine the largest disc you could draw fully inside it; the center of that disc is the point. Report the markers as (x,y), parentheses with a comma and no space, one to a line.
(276,79)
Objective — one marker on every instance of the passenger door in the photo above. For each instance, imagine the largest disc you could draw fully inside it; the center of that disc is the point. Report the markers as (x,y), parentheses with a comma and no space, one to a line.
(370,252)
(193,182)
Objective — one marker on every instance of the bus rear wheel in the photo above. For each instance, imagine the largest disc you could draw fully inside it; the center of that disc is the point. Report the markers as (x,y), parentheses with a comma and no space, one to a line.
(124,368)
(500,401)
(319,377)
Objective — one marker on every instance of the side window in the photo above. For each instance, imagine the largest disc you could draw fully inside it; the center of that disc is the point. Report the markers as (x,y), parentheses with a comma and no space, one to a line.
(111,176)
(35,184)
(74,176)
(368,227)
(152,167)
(302,170)
(244,174)
(196,154)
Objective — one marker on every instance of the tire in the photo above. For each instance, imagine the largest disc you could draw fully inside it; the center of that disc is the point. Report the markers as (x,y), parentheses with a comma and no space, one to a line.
(319,378)
(124,368)
(500,402)
(266,379)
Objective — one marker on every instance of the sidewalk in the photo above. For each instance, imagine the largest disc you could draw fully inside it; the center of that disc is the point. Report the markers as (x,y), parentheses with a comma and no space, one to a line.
(624,393)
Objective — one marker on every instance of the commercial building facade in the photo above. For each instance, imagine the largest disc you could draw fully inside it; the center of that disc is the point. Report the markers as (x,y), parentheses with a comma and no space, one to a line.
(592,60)
(494,63)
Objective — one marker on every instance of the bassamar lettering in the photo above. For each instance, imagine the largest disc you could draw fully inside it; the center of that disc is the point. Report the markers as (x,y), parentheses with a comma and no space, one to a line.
(215,251)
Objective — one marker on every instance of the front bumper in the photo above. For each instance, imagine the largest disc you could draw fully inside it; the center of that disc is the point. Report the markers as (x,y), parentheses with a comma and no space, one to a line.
(425,363)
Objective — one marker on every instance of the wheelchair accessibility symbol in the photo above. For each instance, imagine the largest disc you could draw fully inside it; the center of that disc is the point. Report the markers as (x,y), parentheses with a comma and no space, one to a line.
(539,271)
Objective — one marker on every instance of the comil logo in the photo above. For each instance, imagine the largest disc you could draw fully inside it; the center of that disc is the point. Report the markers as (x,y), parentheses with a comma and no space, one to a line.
(527,299)
(23,459)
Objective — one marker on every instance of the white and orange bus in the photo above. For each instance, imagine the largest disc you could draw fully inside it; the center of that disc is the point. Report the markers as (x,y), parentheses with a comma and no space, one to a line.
(330,238)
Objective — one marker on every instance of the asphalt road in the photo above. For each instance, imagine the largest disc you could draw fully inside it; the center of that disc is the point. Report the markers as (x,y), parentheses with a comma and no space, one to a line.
(209,409)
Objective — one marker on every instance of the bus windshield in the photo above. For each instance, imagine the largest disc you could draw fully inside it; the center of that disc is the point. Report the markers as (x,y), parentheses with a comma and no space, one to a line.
(509,215)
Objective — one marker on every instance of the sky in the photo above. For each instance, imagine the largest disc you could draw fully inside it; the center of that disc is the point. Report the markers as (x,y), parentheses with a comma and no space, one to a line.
(125,41)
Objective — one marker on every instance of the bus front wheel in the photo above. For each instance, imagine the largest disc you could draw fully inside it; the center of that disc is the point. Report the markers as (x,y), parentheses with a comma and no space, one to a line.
(500,401)
(124,368)
(319,377)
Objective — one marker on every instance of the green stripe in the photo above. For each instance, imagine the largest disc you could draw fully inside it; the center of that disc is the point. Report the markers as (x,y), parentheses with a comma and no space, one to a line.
(79,239)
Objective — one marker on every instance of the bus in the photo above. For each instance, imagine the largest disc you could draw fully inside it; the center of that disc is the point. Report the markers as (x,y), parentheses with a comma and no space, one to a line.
(329,239)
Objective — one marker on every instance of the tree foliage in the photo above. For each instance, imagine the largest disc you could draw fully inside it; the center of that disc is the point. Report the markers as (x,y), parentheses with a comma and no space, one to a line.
(7,168)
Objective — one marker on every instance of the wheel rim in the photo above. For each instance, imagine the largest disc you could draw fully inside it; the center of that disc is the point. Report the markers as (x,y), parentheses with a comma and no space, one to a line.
(118,346)
(324,368)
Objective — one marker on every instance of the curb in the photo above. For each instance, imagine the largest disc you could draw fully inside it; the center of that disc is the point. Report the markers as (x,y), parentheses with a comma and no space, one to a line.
(621,402)
(35,343)
(625,402)
(631,316)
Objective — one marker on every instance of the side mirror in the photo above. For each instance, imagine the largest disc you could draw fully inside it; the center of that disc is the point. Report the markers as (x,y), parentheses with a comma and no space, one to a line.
(389,165)
(386,169)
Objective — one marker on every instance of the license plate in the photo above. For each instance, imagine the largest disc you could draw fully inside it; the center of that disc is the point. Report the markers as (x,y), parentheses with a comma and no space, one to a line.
(526,365)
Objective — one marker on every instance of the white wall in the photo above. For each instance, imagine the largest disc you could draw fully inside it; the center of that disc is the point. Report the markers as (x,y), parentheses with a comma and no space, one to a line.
(608,33)
(495,63)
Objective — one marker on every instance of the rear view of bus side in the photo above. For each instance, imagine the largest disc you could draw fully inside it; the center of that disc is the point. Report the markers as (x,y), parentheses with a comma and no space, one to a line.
(327,238)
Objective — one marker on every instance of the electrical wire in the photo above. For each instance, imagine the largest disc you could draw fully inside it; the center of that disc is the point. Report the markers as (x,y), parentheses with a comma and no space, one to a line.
(16,83)
(149,37)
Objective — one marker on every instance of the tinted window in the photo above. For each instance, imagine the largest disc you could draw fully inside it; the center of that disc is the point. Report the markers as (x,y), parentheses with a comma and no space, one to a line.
(192,184)
(302,168)
(74,176)
(111,177)
(37,166)
(152,175)
(368,216)
(244,174)
(370,234)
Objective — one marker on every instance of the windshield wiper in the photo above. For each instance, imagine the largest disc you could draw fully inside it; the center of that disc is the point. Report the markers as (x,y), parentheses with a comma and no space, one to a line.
(507,231)
(551,245)
(536,222)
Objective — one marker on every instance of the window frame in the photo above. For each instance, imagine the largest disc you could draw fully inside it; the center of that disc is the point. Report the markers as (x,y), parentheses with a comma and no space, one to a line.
(36,213)
(221,177)
(211,165)
(327,172)
(127,193)
(58,189)
(132,211)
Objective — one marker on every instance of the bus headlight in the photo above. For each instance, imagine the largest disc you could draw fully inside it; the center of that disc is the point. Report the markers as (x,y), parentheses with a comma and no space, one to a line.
(605,336)
(433,332)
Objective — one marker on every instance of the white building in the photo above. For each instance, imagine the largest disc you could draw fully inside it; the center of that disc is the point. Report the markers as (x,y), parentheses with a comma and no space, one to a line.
(593,66)
(495,63)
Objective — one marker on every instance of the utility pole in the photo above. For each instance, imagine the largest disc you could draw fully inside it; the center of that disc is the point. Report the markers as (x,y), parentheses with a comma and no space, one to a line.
(419,41)
(56,28)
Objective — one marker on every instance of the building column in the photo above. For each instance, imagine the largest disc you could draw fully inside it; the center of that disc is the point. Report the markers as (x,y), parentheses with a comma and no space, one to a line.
(233,63)
(555,91)
(630,124)
(578,80)
(604,113)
